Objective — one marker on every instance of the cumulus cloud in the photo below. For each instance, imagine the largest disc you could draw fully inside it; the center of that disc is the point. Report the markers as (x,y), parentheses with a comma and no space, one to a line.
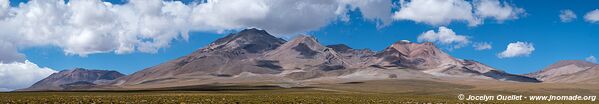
(4,5)
(19,75)
(436,12)
(567,15)
(517,49)
(443,12)
(283,16)
(374,10)
(591,59)
(592,16)
(500,11)
(9,53)
(444,36)
(82,27)
(290,16)
(482,46)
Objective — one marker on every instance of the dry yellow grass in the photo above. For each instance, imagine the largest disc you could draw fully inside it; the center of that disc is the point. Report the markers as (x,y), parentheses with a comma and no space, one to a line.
(382,91)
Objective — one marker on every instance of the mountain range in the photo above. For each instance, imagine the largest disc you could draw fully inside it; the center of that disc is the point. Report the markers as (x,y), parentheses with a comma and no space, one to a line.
(253,56)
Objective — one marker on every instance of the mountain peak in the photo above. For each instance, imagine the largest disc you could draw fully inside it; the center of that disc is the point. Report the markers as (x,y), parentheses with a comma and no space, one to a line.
(411,49)
(84,70)
(414,55)
(303,52)
(339,47)
(252,31)
(79,70)
(305,38)
(304,44)
(251,40)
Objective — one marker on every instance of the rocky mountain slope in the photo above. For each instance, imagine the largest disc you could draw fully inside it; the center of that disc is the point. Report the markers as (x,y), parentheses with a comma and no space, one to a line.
(304,58)
(254,56)
(225,57)
(427,58)
(569,71)
(75,79)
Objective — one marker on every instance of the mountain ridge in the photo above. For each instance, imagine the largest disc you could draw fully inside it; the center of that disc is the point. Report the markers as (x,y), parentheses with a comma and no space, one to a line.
(304,58)
(66,79)
(255,56)
(568,71)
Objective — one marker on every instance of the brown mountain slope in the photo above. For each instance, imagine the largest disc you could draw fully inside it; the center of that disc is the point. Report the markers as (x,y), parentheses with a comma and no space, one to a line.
(569,71)
(358,57)
(224,57)
(430,59)
(254,56)
(304,51)
(588,76)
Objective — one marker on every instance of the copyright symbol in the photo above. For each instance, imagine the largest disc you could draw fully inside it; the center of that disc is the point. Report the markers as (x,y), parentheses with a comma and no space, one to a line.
(461,96)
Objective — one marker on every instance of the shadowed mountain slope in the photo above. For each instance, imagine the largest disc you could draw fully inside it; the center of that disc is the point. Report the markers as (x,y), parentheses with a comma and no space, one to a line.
(66,79)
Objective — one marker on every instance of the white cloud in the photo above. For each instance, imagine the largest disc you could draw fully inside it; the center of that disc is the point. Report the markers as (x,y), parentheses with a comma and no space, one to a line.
(444,36)
(276,16)
(376,10)
(4,5)
(567,15)
(9,53)
(517,49)
(482,46)
(83,27)
(19,75)
(500,11)
(591,59)
(443,12)
(592,16)
(436,12)
(284,16)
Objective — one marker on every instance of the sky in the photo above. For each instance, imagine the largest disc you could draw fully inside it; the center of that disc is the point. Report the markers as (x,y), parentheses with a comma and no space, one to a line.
(518,36)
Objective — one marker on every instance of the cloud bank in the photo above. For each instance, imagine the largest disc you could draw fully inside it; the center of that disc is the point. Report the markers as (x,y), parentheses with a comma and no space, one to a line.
(82,27)
(517,49)
(443,12)
(19,75)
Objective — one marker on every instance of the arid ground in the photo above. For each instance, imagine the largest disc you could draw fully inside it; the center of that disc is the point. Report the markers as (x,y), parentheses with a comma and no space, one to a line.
(380,91)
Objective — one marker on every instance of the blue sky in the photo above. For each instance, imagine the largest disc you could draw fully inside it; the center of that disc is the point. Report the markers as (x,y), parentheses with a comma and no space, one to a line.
(540,25)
